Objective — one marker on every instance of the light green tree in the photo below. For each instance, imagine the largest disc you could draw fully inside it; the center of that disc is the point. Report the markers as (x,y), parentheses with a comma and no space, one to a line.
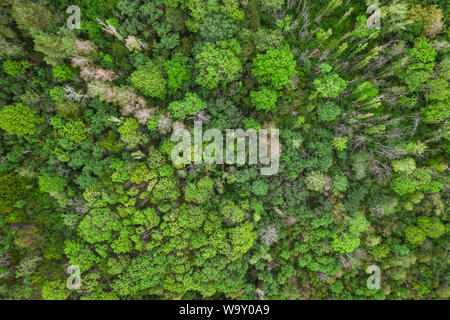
(276,67)
(19,119)
(218,63)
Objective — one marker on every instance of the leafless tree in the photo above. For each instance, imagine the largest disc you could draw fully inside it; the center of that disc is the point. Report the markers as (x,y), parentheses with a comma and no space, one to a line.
(143,115)
(260,294)
(73,95)
(269,235)
(84,47)
(87,73)
(105,75)
(79,62)
(200,116)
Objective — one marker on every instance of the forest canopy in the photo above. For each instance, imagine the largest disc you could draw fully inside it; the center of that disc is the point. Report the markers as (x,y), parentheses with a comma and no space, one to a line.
(357,90)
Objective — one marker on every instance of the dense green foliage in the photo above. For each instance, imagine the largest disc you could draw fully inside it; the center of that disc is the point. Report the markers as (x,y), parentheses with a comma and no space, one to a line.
(87,179)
